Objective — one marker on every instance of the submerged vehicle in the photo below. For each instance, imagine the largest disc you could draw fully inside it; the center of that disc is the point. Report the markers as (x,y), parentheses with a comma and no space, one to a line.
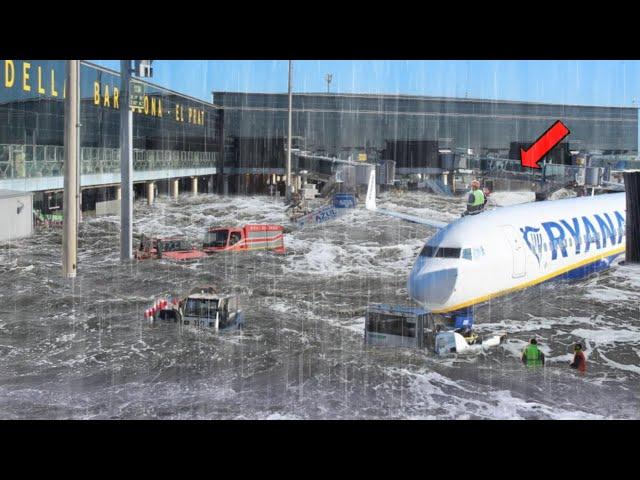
(338,207)
(398,326)
(203,306)
(173,248)
(459,341)
(249,237)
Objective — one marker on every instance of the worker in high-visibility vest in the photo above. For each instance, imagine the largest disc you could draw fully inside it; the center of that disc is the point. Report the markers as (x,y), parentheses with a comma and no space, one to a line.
(532,356)
(475,200)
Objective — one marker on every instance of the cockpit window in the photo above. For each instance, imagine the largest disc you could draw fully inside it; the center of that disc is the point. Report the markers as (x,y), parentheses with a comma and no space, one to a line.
(440,252)
(447,252)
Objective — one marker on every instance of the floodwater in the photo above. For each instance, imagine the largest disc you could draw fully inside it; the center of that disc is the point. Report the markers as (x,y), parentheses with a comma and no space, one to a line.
(85,351)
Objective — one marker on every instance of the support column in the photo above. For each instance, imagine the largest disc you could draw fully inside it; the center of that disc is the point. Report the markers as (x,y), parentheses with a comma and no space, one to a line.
(632,225)
(210,184)
(151,190)
(225,185)
(174,187)
(118,193)
(194,186)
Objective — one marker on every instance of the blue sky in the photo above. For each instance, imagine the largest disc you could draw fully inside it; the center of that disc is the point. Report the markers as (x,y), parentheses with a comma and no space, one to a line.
(585,82)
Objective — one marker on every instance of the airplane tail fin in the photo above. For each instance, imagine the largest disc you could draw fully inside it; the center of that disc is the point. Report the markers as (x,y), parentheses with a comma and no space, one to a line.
(370,202)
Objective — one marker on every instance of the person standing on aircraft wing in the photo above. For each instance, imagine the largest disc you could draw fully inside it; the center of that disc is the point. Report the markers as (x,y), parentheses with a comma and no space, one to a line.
(475,200)
(532,356)
(579,362)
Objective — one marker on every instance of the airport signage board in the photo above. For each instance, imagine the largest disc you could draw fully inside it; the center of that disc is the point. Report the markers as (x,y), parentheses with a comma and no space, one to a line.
(136,94)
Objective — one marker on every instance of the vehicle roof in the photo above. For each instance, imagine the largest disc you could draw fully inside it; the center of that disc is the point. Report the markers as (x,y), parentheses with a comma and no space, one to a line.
(210,296)
(174,237)
(396,309)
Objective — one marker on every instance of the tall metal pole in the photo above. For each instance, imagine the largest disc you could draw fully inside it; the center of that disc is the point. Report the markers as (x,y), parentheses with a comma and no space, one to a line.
(70,207)
(126,162)
(289,188)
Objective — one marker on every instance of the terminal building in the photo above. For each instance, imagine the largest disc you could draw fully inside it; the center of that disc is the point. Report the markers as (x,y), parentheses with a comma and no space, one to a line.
(237,142)
(411,130)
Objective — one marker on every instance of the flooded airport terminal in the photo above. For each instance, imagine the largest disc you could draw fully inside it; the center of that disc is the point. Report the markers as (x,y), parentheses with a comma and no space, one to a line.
(312,255)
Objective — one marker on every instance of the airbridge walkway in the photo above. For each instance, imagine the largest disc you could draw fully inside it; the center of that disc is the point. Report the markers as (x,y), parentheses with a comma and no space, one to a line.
(40,167)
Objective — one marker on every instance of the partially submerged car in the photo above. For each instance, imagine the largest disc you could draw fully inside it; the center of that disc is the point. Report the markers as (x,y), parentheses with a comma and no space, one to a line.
(174,248)
(249,237)
(203,306)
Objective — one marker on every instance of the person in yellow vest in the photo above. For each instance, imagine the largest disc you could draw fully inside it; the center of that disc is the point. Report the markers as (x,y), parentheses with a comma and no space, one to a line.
(475,200)
(532,356)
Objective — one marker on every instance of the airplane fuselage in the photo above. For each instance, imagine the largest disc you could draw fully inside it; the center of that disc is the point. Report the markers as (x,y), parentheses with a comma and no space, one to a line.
(481,257)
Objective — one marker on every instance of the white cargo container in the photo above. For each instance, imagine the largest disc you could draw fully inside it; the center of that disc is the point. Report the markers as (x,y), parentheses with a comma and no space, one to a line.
(16,214)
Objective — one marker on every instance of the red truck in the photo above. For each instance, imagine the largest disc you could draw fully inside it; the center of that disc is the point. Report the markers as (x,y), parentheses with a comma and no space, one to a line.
(173,248)
(249,237)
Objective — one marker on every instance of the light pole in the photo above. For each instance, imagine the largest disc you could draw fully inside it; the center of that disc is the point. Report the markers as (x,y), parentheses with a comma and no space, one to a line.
(71,135)
(289,187)
(328,77)
(143,69)
(126,162)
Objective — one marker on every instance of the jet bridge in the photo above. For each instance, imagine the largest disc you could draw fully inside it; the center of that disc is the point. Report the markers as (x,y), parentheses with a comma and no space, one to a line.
(339,175)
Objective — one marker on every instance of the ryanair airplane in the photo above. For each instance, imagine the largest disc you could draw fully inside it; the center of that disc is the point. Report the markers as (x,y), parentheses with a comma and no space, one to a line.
(493,253)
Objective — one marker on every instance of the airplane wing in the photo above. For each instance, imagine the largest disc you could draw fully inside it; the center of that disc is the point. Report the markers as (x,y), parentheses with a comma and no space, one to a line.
(370,204)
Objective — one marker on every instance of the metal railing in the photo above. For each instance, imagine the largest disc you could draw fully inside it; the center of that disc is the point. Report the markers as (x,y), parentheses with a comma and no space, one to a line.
(34,161)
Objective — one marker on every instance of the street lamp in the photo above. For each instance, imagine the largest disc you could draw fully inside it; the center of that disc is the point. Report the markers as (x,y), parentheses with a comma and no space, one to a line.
(289,186)
(327,78)
(131,93)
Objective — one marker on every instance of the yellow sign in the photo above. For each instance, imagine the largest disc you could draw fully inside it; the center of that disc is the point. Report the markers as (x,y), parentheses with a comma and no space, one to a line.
(362,157)
(31,77)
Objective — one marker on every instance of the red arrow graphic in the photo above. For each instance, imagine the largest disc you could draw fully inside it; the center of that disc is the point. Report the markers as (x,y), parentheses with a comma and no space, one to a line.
(543,145)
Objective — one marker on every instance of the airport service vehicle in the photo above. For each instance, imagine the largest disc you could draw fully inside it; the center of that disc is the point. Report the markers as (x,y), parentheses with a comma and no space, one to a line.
(400,326)
(480,257)
(457,342)
(338,207)
(203,306)
(173,248)
(249,237)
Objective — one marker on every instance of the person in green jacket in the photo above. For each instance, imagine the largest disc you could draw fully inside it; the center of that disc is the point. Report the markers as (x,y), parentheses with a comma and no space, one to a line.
(532,356)
(475,201)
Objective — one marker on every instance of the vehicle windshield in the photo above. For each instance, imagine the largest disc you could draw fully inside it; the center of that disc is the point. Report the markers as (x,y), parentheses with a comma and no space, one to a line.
(202,308)
(175,245)
(217,238)
(391,325)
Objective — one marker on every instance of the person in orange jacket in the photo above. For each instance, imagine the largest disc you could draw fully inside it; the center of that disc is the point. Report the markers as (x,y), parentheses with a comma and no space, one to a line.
(579,361)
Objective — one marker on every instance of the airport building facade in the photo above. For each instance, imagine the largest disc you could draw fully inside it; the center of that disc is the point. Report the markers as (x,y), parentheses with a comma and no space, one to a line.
(411,130)
(238,140)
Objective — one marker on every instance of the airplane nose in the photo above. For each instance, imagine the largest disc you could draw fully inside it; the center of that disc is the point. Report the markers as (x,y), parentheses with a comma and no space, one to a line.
(432,287)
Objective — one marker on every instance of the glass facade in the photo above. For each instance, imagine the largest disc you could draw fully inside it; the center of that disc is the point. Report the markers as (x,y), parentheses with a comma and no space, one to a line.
(246,132)
(410,130)
(169,131)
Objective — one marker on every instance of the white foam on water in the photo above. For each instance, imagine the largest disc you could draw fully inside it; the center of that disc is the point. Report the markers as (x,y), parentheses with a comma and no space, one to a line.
(504,199)
(607,336)
(620,366)
(459,399)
